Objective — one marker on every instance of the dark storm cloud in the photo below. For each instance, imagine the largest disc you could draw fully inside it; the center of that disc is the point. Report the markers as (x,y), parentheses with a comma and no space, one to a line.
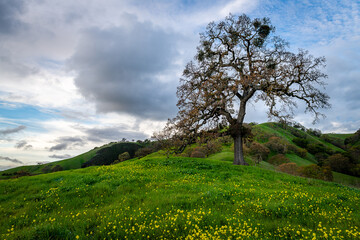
(67,143)
(59,146)
(65,156)
(120,69)
(14,160)
(9,13)
(12,130)
(23,145)
(12,69)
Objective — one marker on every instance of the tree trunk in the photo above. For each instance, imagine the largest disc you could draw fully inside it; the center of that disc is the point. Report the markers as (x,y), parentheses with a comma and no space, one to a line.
(238,151)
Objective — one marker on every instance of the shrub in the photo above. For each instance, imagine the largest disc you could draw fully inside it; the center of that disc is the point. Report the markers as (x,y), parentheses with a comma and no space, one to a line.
(354,154)
(21,173)
(338,163)
(124,156)
(289,168)
(299,126)
(321,158)
(211,147)
(297,133)
(57,168)
(278,159)
(328,176)
(315,171)
(334,141)
(277,145)
(46,169)
(261,136)
(355,170)
(353,139)
(198,154)
(142,152)
(301,152)
(314,132)
(301,142)
(259,151)
(226,140)
(187,152)
(318,148)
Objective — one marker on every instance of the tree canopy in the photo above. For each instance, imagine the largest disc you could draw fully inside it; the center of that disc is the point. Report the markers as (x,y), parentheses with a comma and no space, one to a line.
(239,59)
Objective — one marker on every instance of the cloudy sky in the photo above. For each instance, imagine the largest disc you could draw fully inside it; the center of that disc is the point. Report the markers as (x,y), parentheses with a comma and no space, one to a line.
(79,74)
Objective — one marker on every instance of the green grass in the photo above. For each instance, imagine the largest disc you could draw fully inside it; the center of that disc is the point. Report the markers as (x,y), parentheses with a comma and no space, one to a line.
(66,164)
(340,136)
(176,198)
(346,179)
(298,160)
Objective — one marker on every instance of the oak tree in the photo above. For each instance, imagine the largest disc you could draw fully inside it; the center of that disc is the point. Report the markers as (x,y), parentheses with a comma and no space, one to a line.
(239,59)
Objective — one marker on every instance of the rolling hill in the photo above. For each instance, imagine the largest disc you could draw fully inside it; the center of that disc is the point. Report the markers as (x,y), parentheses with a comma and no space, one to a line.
(183,197)
(261,133)
(176,198)
(96,156)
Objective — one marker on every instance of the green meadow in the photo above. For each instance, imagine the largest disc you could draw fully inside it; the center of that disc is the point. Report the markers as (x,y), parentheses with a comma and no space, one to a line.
(181,197)
(176,198)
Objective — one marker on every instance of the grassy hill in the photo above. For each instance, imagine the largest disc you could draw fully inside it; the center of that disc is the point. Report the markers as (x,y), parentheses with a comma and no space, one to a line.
(185,197)
(67,164)
(176,198)
(262,133)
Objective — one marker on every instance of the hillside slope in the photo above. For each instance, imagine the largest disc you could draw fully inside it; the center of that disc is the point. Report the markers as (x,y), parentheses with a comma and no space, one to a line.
(96,156)
(176,198)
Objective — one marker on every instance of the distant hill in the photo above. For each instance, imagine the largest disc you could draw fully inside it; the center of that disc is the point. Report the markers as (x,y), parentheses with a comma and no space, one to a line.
(107,155)
(103,155)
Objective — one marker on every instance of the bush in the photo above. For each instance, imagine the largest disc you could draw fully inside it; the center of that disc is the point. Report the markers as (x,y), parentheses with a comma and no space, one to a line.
(301,142)
(124,156)
(321,158)
(314,132)
(355,170)
(21,173)
(187,152)
(289,168)
(353,139)
(226,140)
(57,168)
(334,141)
(259,151)
(298,133)
(46,169)
(301,152)
(338,163)
(354,154)
(261,136)
(278,159)
(315,171)
(198,154)
(327,173)
(314,148)
(211,147)
(142,152)
(277,145)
